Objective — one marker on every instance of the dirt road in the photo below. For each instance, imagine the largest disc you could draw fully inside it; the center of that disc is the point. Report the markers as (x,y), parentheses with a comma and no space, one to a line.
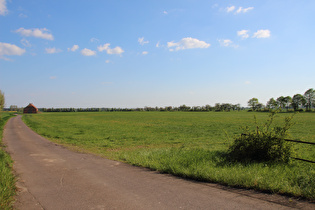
(52,177)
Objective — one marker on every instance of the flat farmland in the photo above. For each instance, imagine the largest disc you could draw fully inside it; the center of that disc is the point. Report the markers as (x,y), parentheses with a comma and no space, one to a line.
(186,144)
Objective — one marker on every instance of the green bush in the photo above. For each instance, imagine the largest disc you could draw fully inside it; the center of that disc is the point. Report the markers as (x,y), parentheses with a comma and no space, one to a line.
(264,143)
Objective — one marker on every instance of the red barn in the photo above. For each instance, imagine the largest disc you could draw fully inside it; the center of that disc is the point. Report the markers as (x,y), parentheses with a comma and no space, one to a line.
(30,109)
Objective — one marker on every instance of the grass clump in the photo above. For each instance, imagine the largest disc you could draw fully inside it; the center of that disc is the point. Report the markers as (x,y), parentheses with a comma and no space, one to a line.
(7,180)
(264,143)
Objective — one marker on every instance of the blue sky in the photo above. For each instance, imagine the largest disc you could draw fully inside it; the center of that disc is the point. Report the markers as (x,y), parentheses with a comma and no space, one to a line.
(122,53)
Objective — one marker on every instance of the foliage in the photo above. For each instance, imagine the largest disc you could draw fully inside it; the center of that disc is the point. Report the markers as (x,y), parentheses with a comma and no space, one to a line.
(264,143)
(2,101)
(297,101)
(309,98)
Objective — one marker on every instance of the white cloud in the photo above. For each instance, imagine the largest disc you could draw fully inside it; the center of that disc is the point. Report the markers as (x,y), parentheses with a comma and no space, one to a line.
(73,48)
(230,9)
(157,44)
(165,12)
(88,52)
(262,34)
(107,61)
(142,42)
(52,50)
(225,42)
(26,43)
(3,7)
(187,43)
(10,49)
(247,83)
(244,10)
(243,34)
(36,32)
(21,15)
(53,77)
(94,40)
(145,52)
(116,50)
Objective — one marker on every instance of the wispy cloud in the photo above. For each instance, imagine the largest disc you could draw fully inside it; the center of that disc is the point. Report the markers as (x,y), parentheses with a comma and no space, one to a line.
(262,34)
(144,52)
(142,42)
(52,50)
(230,9)
(53,77)
(227,43)
(239,10)
(243,34)
(25,43)
(116,50)
(94,40)
(88,52)
(21,15)
(187,43)
(36,32)
(73,48)
(10,49)
(244,10)
(3,8)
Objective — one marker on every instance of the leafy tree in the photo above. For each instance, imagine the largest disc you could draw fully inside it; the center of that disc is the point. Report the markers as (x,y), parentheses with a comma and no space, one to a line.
(297,101)
(281,101)
(309,98)
(253,103)
(287,101)
(2,101)
(272,104)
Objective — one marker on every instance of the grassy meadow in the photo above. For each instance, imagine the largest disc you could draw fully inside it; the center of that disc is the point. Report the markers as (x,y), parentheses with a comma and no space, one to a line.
(7,179)
(186,144)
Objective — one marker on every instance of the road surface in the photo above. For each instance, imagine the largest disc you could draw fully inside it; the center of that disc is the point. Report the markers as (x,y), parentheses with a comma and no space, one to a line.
(53,177)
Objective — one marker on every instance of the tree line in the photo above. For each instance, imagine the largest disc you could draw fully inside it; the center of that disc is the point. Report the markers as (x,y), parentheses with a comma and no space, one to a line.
(298,102)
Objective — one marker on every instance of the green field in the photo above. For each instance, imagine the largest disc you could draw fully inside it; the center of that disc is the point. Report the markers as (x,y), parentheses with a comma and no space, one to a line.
(187,144)
(7,179)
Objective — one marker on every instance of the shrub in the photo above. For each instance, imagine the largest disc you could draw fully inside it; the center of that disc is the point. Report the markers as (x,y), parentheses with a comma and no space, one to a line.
(264,143)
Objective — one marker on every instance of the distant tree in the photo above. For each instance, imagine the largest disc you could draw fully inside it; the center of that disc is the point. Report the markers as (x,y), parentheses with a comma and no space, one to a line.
(297,101)
(253,103)
(281,101)
(13,108)
(309,98)
(2,101)
(272,104)
(287,101)
(184,108)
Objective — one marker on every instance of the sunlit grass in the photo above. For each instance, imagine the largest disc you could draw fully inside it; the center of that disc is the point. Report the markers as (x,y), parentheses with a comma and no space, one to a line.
(187,144)
(7,180)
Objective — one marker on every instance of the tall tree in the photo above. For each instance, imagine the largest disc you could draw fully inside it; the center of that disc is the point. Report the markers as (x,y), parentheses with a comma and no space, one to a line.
(309,98)
(271,104)
(297,101)
(287,101)
(252,103)
(2,101)
(281,101)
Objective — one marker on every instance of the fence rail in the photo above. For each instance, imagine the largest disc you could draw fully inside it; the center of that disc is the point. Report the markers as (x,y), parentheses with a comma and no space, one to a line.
(295,141)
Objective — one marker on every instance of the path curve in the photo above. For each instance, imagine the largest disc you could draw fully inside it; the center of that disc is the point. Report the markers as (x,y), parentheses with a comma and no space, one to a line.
(52,177)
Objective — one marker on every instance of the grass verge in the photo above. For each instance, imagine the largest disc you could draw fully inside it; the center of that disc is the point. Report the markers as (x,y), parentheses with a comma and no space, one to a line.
(7,180)
(187,144)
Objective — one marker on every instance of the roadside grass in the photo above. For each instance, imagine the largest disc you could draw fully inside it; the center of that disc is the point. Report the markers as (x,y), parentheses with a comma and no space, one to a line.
(187,144)
(7,179)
